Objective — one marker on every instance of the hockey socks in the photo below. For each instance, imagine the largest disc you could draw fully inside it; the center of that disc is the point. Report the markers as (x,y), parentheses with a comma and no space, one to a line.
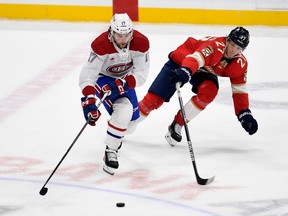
(149,103)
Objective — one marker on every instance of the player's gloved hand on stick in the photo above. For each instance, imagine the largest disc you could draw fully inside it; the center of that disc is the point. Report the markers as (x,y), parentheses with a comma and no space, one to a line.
(247,121)
(91,113)
(116,87)
(182,75)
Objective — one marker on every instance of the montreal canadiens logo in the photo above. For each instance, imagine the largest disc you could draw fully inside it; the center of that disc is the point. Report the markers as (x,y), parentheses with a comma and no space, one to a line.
(119,68)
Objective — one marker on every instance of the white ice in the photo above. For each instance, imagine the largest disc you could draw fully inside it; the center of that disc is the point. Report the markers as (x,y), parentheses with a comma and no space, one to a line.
(40,115)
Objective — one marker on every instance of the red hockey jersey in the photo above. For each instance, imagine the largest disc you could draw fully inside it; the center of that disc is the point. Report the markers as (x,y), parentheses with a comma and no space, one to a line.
(209,53)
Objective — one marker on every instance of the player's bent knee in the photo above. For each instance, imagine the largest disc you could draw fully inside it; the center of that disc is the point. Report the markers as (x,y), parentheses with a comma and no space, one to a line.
(149,103)
(207,91)
(122,112)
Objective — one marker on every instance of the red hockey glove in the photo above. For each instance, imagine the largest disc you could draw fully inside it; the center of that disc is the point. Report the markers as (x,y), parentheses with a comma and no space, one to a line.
(91,113)
(118,87)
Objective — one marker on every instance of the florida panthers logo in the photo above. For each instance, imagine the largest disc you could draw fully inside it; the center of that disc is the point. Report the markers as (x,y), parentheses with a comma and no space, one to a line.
(119,68)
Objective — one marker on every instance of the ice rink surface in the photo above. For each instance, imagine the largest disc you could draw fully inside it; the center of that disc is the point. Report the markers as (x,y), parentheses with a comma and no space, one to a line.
(40,115)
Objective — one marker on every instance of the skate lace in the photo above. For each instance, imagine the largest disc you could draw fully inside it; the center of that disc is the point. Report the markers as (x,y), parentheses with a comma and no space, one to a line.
(111,155)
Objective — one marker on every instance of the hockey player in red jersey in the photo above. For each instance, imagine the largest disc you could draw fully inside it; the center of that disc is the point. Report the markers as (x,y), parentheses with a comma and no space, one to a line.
(199,62)
(118,63)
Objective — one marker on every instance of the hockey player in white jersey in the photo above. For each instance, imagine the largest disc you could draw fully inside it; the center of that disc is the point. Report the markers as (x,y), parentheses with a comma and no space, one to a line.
(118,63)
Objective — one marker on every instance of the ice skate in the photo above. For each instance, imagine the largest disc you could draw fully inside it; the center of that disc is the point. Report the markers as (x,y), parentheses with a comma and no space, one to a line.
(173,135)
(111,161)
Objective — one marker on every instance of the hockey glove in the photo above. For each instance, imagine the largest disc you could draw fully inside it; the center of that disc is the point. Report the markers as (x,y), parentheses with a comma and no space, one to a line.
(182,75)
(247,121)
(117,87)
(91,113)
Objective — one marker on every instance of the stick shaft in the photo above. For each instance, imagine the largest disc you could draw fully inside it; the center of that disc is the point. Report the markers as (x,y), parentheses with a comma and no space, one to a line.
(74,141)
(200,180)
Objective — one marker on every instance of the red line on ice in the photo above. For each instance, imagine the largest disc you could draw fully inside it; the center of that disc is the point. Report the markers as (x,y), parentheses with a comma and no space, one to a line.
(17,99)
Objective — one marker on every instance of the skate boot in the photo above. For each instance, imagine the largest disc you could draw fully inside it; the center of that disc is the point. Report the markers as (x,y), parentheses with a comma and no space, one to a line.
(111,161)
(173,135)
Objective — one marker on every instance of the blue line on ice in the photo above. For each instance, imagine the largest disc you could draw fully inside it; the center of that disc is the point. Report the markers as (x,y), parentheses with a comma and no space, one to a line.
(139,196)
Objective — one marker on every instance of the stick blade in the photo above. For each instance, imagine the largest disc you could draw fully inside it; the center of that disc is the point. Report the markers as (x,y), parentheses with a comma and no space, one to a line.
(202,181)
(43,191)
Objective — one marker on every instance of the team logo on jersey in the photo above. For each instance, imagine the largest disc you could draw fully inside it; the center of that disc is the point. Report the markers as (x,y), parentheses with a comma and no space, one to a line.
(207,51)
(119,68)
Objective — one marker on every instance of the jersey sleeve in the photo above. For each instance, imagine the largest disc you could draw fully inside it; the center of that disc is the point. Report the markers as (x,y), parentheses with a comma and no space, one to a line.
(208,51)
(141,63)
(91,69)
(239,84)
(241,102)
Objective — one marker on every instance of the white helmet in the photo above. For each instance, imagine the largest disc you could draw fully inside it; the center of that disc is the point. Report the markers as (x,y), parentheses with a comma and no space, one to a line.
(121,23)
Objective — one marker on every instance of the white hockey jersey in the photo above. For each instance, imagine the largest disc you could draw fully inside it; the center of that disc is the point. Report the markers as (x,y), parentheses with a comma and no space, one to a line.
(106,59)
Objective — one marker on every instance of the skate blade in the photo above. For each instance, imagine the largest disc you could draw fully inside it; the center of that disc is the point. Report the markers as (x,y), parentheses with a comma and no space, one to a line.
(170,140)
(108,170)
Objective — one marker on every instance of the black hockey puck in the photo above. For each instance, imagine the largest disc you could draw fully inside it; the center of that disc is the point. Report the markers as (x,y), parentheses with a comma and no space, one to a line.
(120,204)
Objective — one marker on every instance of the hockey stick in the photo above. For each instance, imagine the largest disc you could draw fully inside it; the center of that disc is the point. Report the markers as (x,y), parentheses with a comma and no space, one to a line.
(200,180)
(44,189)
